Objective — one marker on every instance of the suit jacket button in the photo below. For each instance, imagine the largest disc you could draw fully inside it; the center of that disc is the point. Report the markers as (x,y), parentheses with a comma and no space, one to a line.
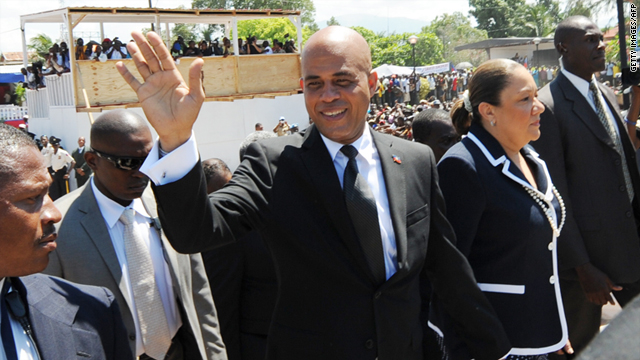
(377,295)
(628,214)
(368,344)
(132,337)
(622,188)
(617,162)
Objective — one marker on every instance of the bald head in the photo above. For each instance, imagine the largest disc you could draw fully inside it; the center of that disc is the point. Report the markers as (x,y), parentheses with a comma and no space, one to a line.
(117,124)
(570,27)
(340,41)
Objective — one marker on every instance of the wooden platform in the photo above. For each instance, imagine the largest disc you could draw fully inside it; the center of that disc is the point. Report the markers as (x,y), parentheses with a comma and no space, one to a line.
(225,79)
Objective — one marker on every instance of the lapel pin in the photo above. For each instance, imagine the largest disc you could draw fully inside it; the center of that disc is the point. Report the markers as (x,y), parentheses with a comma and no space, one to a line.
(396,159)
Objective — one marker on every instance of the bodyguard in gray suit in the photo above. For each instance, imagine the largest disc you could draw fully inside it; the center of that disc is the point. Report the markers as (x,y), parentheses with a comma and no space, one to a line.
(43,317)
(95,248)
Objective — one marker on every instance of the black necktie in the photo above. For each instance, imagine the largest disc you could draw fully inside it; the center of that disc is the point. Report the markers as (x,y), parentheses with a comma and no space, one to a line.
(7,334)
(361,205)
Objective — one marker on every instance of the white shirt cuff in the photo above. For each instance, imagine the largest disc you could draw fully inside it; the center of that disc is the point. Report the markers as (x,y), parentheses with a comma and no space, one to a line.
(172,167)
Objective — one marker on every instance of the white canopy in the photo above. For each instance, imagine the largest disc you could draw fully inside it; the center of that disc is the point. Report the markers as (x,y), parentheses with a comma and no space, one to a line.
(388,70)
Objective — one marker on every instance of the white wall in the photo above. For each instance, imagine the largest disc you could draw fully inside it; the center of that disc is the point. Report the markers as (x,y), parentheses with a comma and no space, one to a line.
(220,128)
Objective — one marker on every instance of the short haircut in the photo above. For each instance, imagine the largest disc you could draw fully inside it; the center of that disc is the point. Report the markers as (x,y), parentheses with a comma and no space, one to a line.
(253,137)
(216,172)
(423,121)
(566,27)
(12,143)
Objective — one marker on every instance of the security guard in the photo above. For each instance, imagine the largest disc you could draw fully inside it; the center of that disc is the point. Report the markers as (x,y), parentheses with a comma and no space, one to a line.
(61,164)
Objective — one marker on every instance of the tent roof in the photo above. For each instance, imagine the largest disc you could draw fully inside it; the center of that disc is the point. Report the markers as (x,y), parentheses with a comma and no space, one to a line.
(500,42)
(148,15)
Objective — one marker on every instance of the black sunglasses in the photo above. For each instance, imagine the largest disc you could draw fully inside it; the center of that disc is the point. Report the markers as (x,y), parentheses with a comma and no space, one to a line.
(121,162)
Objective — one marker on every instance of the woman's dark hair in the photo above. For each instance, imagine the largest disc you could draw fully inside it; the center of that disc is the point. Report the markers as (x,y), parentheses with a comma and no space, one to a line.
(486,85)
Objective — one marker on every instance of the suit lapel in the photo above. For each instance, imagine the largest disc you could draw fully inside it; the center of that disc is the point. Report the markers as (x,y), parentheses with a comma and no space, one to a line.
(93,223)
(318,162)
(583,110)
(394,179)
(51,316)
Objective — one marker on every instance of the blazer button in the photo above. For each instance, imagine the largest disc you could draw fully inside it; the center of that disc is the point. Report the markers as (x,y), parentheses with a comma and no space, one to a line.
(552,280)
(622,188)
(628,214)
(550,246)
(132,337)
(368,344)
(377,295)
(617,162)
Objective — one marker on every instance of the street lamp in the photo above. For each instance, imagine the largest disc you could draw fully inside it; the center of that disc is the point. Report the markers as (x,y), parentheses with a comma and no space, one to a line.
(413,40)
(537,41)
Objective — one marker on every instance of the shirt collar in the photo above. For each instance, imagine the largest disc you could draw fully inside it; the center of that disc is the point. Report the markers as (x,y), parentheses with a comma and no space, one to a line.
(364,145)
(111,210)
(581,84)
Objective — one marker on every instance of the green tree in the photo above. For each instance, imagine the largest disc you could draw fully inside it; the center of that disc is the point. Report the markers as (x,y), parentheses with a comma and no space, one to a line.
(395,49)
(538,19)
(455,30)
(332,21)
(577,7)
(306,7)
(40,44)
(495,16)
(187,31)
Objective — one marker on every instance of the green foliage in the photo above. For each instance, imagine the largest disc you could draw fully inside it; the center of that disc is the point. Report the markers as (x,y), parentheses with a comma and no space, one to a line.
(267,29)
(578,7)
(306,7)
(40,44)
(187,31)
(506,18)
(496,16)
(332,21)
(455,30)
(395,48)
(20,94)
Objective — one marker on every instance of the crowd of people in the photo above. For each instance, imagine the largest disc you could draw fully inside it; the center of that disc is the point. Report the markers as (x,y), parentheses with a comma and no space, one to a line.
(339,242)
(249,46)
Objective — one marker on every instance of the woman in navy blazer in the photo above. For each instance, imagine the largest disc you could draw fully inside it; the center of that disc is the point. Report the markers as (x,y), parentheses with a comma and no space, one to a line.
(505,210)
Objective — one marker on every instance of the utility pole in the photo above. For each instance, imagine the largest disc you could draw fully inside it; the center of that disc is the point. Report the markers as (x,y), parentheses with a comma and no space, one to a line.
(153,27)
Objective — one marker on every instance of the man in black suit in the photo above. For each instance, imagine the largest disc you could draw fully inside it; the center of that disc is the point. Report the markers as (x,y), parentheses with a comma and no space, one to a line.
(348,262)
(243,281)
(83,171)
(61,320)
(591,159)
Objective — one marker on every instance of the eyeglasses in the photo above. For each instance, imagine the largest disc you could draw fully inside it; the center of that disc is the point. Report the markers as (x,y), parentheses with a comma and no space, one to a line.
(121,162)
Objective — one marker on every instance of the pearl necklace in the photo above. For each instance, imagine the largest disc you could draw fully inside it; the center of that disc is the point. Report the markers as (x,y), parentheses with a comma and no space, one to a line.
(539,199)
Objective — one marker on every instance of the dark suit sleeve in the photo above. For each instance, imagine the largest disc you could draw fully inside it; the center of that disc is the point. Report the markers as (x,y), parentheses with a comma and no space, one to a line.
(464,197)
(121,349)
(454,284)
(194,222)
(550,148)
(224,268)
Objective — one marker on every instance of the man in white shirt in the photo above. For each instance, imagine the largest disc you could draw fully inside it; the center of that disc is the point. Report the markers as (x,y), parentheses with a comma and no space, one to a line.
(165,297)
(62,320)
(61,164)
(591,158)
(346,212)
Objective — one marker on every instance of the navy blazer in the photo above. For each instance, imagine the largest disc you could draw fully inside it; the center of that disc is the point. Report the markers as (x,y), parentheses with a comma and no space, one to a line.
(72,321)
(507,238)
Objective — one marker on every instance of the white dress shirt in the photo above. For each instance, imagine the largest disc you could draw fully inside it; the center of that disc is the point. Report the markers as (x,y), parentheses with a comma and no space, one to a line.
(24,347)
(583,88)
(111,212)
(60,159)
(176,164)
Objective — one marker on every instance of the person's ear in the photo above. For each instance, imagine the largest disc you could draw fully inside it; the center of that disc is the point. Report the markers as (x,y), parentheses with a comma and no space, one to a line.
(561,48)
(487,111)
(91,159)
(373,83)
